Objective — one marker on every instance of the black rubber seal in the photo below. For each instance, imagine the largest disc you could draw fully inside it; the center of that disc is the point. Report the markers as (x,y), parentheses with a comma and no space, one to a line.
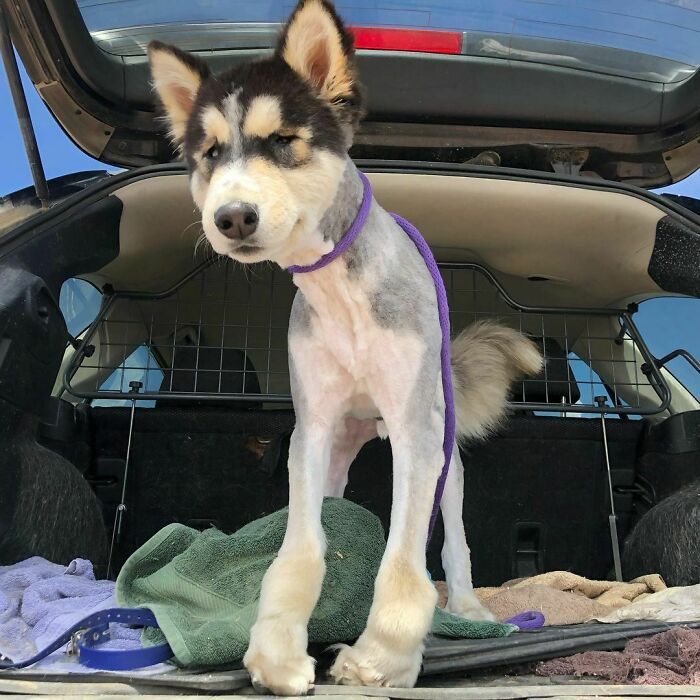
(675,260)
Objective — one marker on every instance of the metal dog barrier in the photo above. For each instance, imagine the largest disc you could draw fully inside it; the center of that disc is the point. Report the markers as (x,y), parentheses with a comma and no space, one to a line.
(221,334)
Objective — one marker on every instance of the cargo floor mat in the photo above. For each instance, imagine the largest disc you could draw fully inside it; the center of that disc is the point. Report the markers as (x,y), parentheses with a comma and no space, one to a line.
(443,658)
(455,655)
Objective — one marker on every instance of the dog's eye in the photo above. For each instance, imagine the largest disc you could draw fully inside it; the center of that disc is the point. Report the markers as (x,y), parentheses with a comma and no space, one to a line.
(283,139)
(213,152)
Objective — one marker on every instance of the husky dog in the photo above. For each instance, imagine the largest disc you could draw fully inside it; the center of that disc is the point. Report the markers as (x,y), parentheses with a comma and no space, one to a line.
(267,148)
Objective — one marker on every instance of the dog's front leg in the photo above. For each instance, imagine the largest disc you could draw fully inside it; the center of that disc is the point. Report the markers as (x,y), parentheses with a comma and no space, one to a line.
(277,659)
(389,651)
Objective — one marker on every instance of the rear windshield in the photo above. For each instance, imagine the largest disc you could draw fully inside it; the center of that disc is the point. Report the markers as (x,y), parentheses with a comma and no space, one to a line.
(649,39)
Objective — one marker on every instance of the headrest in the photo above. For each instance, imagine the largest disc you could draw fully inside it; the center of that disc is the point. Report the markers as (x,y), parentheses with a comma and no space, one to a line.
(208,370)
(555,384)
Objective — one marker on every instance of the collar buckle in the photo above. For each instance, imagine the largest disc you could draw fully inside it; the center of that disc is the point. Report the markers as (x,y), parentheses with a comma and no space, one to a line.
(72,648)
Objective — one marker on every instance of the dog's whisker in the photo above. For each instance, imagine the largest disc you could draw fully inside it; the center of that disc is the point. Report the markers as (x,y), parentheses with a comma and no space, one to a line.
(201,239)
(197,222)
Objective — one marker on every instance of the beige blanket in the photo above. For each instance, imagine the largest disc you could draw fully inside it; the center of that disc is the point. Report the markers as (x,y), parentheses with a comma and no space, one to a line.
(564,598)
(678,604)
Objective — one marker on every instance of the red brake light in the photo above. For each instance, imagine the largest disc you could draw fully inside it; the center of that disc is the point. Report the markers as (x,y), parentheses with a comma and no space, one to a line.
(426,40)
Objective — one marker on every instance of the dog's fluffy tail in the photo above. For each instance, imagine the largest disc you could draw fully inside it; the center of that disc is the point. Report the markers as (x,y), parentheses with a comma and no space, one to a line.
(486,359)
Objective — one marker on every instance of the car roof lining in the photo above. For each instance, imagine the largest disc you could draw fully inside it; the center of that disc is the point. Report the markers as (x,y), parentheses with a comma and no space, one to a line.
(593,246)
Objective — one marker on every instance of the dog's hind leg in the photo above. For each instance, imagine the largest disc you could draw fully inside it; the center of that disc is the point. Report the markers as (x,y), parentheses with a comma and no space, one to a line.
(456,560)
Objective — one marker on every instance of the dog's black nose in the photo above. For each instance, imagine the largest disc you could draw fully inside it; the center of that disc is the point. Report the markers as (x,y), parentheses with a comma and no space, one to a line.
(237,220)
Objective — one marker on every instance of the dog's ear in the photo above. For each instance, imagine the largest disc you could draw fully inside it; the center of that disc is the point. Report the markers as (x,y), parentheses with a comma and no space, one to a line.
(177,76)
(318,47)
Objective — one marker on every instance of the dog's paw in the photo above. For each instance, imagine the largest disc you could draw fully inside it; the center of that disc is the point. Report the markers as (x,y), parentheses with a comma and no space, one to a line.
(277,660)
(468,606)
(291,675)
(368,663)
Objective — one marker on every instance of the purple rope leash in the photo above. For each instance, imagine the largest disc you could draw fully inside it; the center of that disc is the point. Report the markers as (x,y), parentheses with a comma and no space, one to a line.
(443,314)
(528,620)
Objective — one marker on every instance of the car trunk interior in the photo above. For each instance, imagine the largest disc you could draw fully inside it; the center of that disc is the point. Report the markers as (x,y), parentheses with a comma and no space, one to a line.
(205,341)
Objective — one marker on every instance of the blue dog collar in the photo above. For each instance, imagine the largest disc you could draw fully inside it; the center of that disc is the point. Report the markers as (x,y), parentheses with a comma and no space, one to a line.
(86,636)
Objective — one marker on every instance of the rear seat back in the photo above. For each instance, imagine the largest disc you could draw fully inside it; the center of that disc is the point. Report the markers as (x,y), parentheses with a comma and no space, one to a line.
(536,494)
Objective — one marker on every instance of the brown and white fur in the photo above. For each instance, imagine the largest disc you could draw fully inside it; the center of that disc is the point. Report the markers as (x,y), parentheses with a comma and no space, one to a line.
(266,144)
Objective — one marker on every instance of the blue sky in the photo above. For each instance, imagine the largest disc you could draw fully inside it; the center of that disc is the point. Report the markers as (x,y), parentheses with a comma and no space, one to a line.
(58,153)
(665,323)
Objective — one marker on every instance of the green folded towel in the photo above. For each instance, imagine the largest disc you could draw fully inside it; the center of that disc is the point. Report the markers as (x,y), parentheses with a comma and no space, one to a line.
(203,587)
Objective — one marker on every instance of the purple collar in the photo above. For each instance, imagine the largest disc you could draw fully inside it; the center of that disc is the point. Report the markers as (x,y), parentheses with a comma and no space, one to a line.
(348,237)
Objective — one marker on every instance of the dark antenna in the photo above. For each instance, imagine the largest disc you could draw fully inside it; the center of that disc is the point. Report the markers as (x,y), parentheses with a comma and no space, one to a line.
(22,110)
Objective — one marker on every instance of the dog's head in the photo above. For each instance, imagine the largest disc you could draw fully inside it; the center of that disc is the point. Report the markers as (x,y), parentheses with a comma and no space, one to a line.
(265,142)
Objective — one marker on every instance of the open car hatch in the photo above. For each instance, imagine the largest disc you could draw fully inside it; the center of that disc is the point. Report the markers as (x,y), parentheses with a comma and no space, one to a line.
(542,87)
